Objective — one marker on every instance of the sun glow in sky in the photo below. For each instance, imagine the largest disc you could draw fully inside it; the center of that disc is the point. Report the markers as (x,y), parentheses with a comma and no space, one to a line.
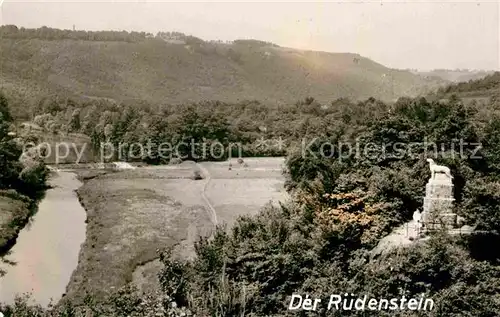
(408,34)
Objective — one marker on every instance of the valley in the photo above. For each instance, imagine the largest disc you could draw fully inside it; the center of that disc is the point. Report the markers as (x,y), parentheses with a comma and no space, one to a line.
(164,174)
(130,215)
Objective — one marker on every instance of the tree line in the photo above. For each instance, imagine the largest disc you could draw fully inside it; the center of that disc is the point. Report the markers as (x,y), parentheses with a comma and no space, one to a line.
(490,82)
(24,176)
(22,181)
(46,33)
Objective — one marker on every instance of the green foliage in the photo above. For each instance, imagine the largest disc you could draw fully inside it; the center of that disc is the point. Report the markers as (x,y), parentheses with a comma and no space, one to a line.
(256,43)
(254,269)
(74,124)
(33,177)
(4,109)
(343,203)
(491,144)
(481,204)
(46,33)
(20,182)
(320,245)
(173,278)
(9,150)
(126,301)
(441,269)
(490,82)
(28,177)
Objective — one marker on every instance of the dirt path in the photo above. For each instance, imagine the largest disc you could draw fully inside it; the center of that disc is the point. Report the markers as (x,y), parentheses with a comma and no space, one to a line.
(402,236)
(133,213)
(204,193)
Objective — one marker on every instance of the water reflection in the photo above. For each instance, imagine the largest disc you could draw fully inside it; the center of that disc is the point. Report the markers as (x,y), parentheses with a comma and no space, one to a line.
(46,251)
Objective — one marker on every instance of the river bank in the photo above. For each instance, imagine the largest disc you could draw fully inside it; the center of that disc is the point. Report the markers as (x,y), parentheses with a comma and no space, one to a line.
(46,251)
(133,213)
(16,210)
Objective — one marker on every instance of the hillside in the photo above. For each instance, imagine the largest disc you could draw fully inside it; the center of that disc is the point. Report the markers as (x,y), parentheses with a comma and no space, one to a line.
(482,88)
(454,76)
(155,69)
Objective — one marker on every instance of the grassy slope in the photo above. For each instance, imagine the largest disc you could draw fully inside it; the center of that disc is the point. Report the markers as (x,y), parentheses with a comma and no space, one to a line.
(14,213)
(482,89)
(128,219)
(156,71)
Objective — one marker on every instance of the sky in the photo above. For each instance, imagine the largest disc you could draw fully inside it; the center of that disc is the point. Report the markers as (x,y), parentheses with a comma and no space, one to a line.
(400,34)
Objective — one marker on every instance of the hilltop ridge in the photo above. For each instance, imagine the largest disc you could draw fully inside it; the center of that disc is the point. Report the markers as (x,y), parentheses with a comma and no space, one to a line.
(176,68)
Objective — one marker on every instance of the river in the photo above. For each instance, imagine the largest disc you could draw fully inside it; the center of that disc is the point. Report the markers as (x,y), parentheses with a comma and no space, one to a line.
(46,251)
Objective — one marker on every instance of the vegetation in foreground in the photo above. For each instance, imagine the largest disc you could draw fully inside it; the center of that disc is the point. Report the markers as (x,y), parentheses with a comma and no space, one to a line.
(320,243)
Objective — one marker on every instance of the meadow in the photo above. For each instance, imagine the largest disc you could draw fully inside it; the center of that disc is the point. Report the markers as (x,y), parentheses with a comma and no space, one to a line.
(131,214)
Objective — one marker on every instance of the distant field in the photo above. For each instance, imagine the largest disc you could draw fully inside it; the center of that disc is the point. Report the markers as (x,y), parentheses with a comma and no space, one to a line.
(243,190)
(132,213)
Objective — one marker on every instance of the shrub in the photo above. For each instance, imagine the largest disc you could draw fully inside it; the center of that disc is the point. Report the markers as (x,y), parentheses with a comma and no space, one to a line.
(175,161)
(197,175)
(33,177)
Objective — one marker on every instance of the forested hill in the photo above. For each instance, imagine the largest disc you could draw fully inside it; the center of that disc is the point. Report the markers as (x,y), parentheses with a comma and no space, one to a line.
(454,76)
(485,87)
(175,68)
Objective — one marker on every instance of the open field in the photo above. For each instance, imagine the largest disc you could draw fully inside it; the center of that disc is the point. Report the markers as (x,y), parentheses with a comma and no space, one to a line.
(243,190)
(133,213)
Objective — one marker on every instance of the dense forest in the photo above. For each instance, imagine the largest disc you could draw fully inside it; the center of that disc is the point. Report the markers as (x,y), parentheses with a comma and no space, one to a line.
(488,84)
(246,123)
(22,175)
(321,241)
(46,33)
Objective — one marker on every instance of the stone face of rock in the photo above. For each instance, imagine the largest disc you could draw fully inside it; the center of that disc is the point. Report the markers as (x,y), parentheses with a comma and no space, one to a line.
(438,203)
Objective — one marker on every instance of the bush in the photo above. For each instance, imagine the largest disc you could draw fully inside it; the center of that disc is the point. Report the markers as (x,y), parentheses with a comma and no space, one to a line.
(175,161)
(321,242)
(197,175)
(33,177)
